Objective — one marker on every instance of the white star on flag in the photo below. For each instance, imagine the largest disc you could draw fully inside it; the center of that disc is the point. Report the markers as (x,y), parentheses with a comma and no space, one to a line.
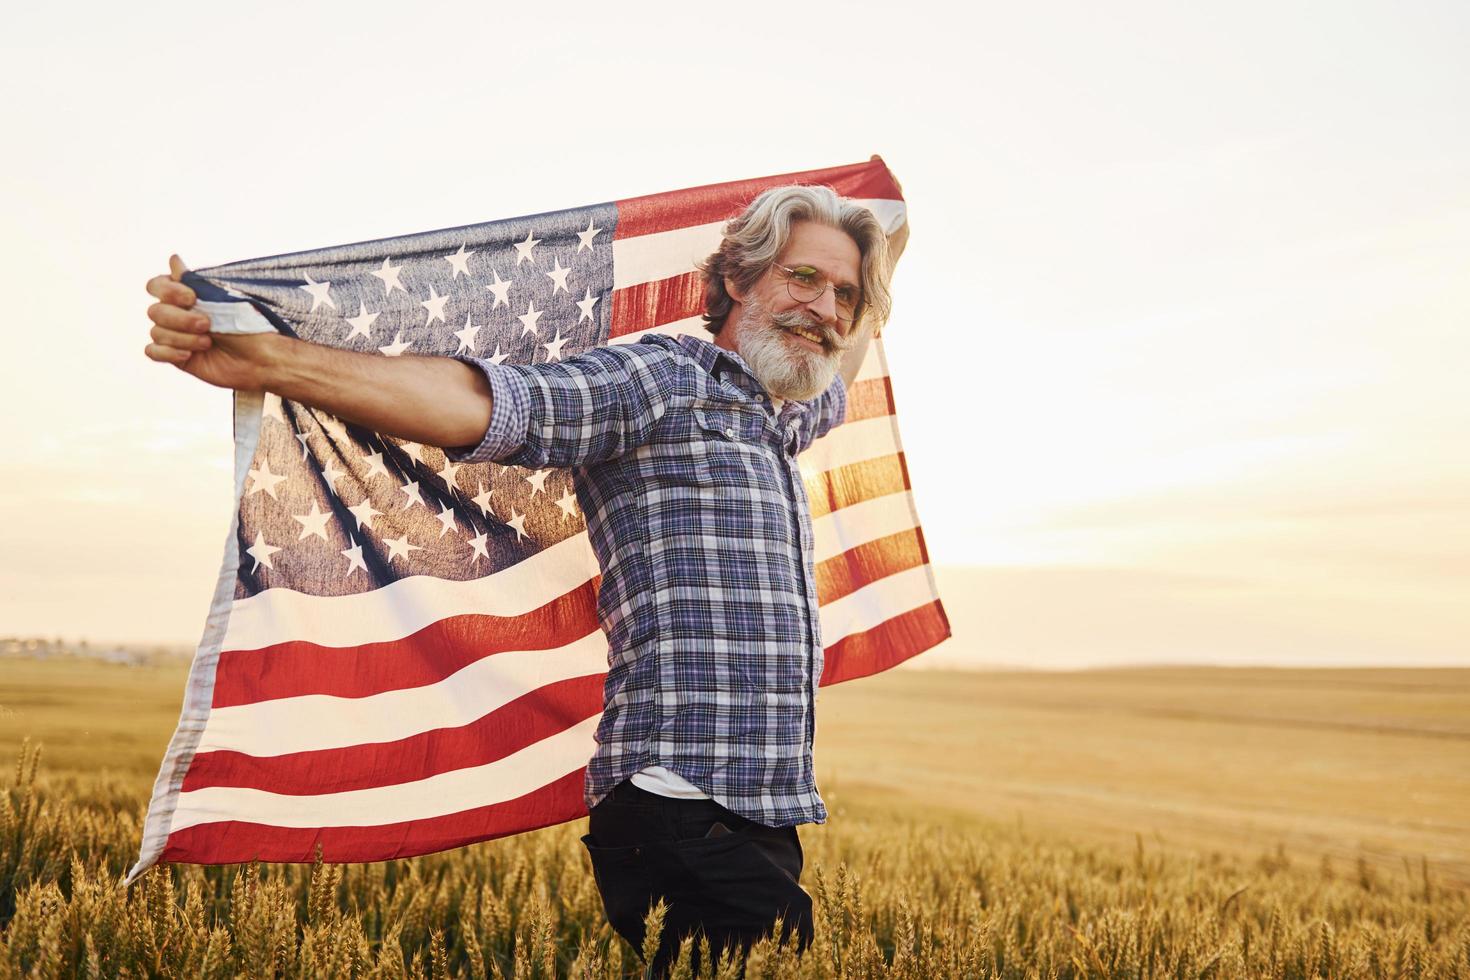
(411,490)
(331,474)
(585,304)
(568,503)
(435,305)
(261,552)
(501,289)
(446,520)
(313,523)
(398,346)
(466,335)
(319,295)
(528,319)
(400,546)
(375,465)
(587,236)
(483,500)
(553,347)
(523,250)
(518,521)
(364,513)
(478,543)
(389,274)
(354,557)
(558,277)
(460,263)
(264,479)
(448,473)
(362,323)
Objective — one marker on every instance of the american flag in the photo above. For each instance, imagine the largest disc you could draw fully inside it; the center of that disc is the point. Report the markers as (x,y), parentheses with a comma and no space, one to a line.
(402,654)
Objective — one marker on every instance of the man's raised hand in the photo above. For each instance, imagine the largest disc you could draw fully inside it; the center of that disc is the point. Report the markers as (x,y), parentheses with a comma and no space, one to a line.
(181,337)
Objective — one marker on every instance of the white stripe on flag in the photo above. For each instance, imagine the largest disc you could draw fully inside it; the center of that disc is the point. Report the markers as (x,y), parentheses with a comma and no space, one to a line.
(321,721)
(852,442)
(876,603)
(451,792)
(406,606)
(873,366)
(860,523)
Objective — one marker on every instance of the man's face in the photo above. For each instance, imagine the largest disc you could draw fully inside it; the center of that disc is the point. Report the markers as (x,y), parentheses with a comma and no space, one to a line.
(795,346)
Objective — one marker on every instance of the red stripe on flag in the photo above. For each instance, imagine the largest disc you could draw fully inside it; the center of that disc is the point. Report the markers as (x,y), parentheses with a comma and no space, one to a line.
(843,486)
(923,549)
(856,567)
(885,645)
(237,841)
(717,202)
(433,653)
(528,719)
(652,304)
(869,399)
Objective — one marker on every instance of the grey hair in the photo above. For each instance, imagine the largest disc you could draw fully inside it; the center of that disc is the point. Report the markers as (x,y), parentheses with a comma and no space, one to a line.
(754,239)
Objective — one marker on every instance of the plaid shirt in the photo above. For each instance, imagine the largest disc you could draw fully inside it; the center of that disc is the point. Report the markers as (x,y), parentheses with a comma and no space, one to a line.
(698,515)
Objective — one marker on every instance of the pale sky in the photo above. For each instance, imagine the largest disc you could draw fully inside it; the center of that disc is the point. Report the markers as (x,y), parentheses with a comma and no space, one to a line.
(1178,339)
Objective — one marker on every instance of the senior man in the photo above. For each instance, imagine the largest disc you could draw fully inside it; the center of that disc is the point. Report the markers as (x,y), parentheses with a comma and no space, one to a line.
(684,455)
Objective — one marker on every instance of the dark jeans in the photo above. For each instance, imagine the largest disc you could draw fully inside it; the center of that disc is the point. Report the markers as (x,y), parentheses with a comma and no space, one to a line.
(720,874)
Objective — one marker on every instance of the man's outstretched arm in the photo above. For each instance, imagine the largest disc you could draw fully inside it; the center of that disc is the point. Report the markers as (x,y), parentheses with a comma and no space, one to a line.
(437,401)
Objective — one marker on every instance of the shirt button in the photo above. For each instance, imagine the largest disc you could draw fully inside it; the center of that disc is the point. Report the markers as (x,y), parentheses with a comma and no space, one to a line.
(730,433)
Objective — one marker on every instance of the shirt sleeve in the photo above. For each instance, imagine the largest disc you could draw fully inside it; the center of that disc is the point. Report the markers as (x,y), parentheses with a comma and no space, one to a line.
(824,414)
(506,432)
(586,409)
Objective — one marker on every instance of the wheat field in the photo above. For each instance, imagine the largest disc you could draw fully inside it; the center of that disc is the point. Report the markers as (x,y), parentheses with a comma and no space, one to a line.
(1149,823)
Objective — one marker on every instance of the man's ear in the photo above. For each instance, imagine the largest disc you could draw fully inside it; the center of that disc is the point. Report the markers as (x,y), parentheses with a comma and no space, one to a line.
(735,293)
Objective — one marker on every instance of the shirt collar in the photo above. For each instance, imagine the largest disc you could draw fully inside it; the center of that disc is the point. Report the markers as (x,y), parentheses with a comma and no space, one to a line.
(717,361)
(712,357)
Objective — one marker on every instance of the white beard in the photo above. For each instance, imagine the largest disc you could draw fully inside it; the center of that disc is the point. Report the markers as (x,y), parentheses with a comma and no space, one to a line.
(787,370)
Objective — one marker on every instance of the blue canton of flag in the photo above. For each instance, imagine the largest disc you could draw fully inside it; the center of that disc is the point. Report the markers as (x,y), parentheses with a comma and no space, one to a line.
(523,291)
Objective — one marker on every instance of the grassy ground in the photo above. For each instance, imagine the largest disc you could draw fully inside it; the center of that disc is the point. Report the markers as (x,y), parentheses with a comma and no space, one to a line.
(1339,762)
(1230,823)
(1349,763)
(91,717)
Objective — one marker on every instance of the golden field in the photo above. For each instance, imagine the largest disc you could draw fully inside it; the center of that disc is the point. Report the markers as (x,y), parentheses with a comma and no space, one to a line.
(1122,823)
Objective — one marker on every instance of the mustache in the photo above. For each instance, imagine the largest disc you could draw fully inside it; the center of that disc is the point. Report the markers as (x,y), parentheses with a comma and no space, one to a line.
(831,339)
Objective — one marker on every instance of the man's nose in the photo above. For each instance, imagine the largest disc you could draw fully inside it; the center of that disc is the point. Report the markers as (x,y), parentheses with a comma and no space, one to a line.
(824,307)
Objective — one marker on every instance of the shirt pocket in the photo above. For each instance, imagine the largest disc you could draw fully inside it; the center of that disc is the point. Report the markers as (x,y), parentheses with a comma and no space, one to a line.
(727,452)
(730,424)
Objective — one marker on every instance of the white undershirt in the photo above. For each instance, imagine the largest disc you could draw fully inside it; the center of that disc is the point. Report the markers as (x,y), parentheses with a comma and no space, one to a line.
(658,780)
